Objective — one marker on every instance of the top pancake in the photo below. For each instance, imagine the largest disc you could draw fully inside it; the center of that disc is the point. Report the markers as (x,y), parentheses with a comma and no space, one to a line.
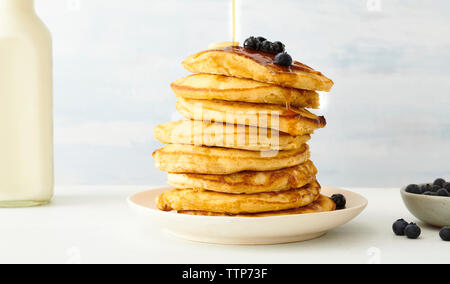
(218,87)
(245,63)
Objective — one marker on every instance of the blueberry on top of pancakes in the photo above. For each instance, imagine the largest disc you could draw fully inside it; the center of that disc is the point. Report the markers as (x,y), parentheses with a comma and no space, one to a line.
(283,59)
(252,43)
(261,39)
(278,47)
(267,46)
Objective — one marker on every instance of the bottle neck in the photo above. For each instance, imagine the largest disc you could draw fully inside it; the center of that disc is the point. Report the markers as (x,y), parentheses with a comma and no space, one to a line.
(17,5)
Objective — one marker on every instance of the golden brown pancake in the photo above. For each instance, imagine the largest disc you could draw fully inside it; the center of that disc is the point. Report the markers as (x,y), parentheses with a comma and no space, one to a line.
(174,158)
(217,87)
(323,204)
(202,133)
(203,200)
(294,122)
(248,182)
(244,63)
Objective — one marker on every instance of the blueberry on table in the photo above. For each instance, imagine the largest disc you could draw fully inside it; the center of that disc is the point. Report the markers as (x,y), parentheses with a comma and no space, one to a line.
(252,43)
(266,46)
(399,227)
(412,231)
(445,234)
(278,47)
(283,59)
(414,189)
(339,200)
(443,192)
(440,182)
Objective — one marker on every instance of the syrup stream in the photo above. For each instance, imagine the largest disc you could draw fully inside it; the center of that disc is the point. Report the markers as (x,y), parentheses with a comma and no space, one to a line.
(234,22)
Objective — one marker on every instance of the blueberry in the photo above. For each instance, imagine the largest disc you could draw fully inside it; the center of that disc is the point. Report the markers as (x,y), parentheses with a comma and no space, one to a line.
(443,192)
(445,234)
(399,227)
(426,187)
(435,188)
(266,46)
(414,189)
(440,182)
(283,59)
(261,39)
(430,193)
(447,186)
(278,47)
(340,201)
(412,231)
(252,43)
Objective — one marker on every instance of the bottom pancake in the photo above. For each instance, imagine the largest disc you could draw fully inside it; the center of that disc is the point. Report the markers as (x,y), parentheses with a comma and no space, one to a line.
(323,204)
(203,200)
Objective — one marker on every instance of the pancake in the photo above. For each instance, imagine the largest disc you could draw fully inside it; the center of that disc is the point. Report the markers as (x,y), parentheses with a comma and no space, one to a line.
(245,63)
(203,200)
(226,135)
(294,122)
(217,87)
(174,158)
(323,204)
(248,182)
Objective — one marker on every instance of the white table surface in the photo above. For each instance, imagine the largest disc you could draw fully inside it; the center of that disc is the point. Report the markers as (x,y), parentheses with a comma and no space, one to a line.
(93,224)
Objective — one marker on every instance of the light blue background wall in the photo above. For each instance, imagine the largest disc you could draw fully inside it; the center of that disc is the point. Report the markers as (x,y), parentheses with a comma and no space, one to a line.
(388,115)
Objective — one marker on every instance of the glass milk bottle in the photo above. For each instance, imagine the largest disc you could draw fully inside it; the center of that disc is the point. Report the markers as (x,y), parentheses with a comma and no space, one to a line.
(26,122)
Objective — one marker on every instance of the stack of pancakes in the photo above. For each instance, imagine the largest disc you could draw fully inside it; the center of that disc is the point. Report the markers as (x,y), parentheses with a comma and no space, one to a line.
(242,151)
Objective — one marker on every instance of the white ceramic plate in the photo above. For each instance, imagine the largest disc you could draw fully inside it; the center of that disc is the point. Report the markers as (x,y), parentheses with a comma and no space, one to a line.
(244,230)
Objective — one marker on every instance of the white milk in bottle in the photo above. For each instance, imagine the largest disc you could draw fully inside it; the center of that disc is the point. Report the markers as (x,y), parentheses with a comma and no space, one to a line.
(26,123)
